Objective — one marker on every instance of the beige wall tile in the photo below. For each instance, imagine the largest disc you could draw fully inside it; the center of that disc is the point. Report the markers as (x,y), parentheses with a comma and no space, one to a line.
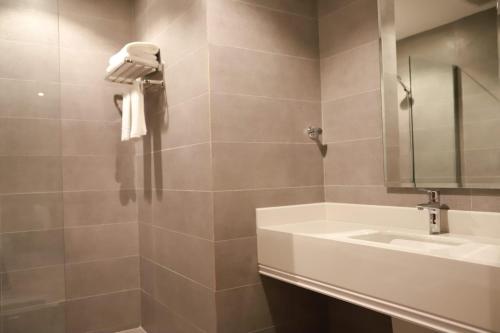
(186,34)
(109,9)
(258,119)
(29,22)
(250,165)
(157,318)
(83,66)
(46,319)
(186,168)
(188,212)
(25,250)
(146,241)
(101,277)
(90,33)
(186,298)
(37,137)
(189,256)
(325,7)
(40,285)
(247,72)
(353,118)
(101,242)
(349,27)
(14,55)
(82,173)
(19,98)
(355,163)
(75,103)
(30,174)
(99,207)
(24,212)
(93,138)
(237,24)
(161,14)
(350,72)
(235,210)
(105,313)
(188,78)
(300,7)
(236,263)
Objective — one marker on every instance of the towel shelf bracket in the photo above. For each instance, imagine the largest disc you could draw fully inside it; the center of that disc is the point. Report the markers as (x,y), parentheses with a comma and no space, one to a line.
(129,71)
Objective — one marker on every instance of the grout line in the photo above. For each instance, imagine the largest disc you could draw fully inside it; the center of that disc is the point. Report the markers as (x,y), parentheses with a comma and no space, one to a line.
(360,46)
(311,18)
(152,225)
(122,291)
(355,140)
(275,54)
(338,99)
(281,99)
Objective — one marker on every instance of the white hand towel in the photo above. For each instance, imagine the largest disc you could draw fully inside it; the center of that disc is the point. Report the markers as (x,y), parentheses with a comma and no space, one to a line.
(138,119)
(126,116)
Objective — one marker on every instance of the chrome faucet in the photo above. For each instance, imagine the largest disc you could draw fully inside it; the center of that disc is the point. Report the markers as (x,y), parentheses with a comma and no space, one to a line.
(434,207)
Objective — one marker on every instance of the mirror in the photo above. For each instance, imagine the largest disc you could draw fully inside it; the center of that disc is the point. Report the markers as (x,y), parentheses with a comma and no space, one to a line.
(441,93)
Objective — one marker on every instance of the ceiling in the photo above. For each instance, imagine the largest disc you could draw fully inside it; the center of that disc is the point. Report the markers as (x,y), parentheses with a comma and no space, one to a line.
(415,16)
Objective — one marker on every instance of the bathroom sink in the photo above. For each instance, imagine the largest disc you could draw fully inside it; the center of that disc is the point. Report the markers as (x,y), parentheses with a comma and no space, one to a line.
(408,241)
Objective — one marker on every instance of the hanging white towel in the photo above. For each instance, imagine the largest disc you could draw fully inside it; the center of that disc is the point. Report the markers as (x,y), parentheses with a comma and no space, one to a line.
(126,117)
(137,117)
(138,48)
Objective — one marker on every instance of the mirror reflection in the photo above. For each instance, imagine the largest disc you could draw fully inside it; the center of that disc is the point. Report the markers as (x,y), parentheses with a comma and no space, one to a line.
(441,93)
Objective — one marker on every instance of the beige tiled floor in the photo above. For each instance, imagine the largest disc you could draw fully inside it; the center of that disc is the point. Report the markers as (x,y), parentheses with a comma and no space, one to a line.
(135,330)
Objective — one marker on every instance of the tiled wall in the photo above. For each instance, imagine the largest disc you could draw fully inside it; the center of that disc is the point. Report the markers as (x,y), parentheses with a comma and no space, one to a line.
(174,174)
(264,92)
(351,97)
(69,214)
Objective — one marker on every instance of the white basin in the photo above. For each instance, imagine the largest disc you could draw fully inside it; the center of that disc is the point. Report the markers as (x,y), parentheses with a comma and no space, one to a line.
(408,241)
(384,259)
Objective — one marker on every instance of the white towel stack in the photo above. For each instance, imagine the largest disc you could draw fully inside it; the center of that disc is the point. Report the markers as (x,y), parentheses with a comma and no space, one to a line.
(141,52)
(133,118)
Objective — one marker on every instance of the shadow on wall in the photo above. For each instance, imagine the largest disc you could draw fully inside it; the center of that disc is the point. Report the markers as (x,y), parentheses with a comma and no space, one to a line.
(156,110)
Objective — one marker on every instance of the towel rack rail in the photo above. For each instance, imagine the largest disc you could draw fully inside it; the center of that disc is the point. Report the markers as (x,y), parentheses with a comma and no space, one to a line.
(130,70)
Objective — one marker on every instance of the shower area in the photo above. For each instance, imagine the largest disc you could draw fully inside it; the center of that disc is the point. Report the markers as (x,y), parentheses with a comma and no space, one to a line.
(68,212)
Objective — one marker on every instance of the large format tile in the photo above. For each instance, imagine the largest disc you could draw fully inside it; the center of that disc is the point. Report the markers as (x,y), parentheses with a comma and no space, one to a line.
(109,9)
(350,72)
(186,298)
(101,242)
(161,14)
(353,118)
(105,313)
(188,212)
(82,173)
(190,256)
(23,288)
(355,163)
(247,72)
(237,24)
(349,27)
(16,55)
(45,319)
(185,35)
(30,137)
(101,277)
(25,250)
(24,212)
(262,165)
(90,33)
(21,174)
(99,207)
(235,210)
(93,138)
(300,7)
(253,119)
(29,21)
(236,263)
(20,98)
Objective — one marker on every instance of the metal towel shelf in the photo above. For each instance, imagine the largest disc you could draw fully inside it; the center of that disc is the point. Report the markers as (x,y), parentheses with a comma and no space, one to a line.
(130,70)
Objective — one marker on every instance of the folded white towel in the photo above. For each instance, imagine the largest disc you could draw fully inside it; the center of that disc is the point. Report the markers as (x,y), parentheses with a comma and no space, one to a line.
(138,48)
(126,117)
(137,117)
